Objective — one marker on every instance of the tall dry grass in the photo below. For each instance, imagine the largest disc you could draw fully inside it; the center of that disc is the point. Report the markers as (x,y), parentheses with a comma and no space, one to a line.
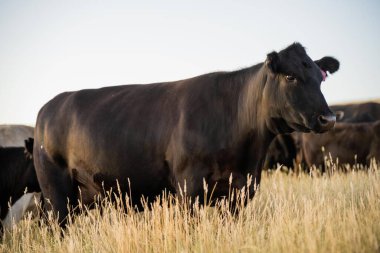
(290,213)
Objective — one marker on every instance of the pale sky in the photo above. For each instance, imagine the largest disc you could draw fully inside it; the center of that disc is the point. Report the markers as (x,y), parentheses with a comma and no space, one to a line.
(47,47)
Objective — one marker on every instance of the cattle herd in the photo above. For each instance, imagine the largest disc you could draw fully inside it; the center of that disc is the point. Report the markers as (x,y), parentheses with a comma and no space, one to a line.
(148,138)
(355,139)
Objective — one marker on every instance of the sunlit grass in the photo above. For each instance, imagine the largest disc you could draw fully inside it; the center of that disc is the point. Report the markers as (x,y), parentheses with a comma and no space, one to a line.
(339,212)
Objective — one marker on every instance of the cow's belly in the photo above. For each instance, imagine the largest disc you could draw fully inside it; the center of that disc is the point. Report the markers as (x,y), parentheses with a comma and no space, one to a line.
(140,178)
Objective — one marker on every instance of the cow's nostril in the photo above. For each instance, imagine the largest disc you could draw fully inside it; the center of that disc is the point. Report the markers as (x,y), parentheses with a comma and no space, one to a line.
(322,120)
(326,122)
(326,119)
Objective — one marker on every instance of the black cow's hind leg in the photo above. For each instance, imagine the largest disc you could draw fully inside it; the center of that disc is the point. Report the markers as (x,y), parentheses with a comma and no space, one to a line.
(56,185)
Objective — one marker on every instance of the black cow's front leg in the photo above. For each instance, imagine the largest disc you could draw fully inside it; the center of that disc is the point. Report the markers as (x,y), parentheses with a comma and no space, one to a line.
(208,182)
(190,180)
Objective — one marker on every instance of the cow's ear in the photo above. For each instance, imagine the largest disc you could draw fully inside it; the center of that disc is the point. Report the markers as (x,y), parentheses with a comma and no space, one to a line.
(339,115)
(273,61)
(29,147)
(328,63)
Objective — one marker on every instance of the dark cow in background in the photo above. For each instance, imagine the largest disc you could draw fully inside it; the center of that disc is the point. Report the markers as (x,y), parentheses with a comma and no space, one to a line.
(351,143)
(162,135)
(284,148)
(14,135)
(358,113)
(281,152)
(17,174)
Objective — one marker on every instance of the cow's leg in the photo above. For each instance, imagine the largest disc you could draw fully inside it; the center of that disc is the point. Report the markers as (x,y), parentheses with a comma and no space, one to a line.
(190,180)
(56,184)
(207,183)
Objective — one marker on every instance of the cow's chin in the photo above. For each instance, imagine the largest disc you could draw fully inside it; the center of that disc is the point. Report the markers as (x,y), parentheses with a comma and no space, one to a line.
(300,128)
(305,129)
(309,126)
(281,126)
(319,130)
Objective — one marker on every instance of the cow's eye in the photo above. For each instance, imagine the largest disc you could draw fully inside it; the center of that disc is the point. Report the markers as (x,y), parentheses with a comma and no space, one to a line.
(290,78)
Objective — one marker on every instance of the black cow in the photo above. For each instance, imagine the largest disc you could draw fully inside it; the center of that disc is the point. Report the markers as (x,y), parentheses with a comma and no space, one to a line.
(163,134)
(14,135)
(16,174)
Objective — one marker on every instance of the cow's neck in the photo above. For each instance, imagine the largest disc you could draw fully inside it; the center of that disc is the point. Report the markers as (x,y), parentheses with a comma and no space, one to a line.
(253,117)
(253,113)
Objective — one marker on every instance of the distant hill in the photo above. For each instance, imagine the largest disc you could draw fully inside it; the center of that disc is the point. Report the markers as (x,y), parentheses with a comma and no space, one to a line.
(377,100)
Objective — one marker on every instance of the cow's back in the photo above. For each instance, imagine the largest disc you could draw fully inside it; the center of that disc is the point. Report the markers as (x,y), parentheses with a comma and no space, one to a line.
(357,113)
(14,135)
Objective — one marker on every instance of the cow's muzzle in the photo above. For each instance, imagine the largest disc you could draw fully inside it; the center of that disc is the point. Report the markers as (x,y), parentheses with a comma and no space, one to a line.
(325,123)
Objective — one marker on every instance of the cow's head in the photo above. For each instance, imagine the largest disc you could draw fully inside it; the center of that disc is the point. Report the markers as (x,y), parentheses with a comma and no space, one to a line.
(29,148)
(293,91)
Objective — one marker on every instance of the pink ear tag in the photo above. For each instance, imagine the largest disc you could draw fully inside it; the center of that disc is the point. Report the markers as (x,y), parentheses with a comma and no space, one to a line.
(324,75)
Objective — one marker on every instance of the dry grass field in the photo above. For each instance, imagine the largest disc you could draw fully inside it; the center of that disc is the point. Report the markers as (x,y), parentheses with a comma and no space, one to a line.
(339,212)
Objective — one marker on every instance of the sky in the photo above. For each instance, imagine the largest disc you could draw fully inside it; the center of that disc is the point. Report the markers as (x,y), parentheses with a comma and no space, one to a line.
(48,47)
